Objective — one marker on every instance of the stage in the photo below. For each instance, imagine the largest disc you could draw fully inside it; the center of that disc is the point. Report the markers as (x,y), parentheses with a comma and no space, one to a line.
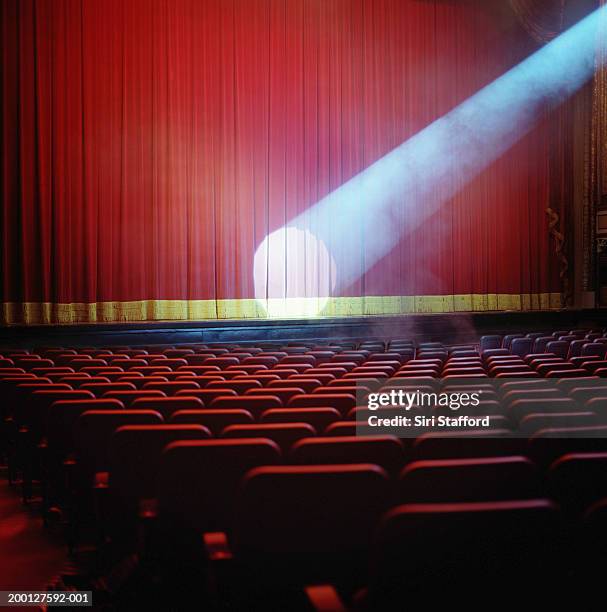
(451,327)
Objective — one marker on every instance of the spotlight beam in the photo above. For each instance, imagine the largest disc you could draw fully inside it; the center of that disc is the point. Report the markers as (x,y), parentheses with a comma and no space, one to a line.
(461,143)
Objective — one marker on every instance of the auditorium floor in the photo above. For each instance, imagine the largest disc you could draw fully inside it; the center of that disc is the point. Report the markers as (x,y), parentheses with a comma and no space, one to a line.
(31,556)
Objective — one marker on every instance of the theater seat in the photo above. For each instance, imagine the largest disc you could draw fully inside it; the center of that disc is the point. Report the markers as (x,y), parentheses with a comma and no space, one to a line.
(532,423)
(472,552)
(567,373)
(300,524)
(319,418)
(343,428)
(240,386)
(198,480)
(215,420)
(255,404)
(98,389)
(207,395)
(468,480)
(166,406)
(578,480)
(36,409)
(139,381)
(128,397)
(521,346)
(547,445)
(490,342)
(283,393)
(171,387)
(385,451)
(93,429)
(63,415)
(134,457)
(467,444)
(284,434)
(520,408)
(342,402)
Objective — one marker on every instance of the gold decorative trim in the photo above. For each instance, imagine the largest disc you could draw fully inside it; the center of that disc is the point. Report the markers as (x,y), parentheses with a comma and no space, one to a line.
(36,313)
(559,239)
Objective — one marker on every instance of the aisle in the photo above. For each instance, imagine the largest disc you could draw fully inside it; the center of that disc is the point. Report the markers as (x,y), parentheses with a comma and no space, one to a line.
(30,556)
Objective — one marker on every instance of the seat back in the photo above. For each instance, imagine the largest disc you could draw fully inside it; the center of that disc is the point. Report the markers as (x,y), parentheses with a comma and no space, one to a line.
(134,457)
(558,347)
(578,480)
(62,418)
(385,451)
(215,420)
(310,522)
(166,406)
(94,428)
(468,480)
(319,418)
(521,346)
(284,434)
(255,404)
(419,546)
(198,480)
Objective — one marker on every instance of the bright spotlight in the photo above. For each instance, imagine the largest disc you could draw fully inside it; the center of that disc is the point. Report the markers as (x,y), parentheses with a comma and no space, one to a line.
(289,265)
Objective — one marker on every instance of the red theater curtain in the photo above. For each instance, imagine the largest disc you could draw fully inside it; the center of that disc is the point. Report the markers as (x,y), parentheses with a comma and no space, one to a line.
(149,146)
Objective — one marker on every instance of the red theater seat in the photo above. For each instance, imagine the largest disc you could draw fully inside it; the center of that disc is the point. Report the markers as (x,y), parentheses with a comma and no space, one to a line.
(547,445)
(420,546)
(240,386)
(319,417)
(385,451)
(206,395)
(139,381)
(283,393)
(165,362)
(578,480)
(468,480)
(534,422)
(198,480)
(255,404)
(63,415)
(171,387)
(166,406)
(134,457)
(567,373)
(215,420)
(301,524)
(284,434)
(520,408)
(467,445)
(342,402)
(128,397)
(343,428)
(98,389)
(93,429)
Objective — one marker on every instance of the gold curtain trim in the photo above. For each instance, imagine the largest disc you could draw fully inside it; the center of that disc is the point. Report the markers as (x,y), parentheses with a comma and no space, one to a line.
(35,313)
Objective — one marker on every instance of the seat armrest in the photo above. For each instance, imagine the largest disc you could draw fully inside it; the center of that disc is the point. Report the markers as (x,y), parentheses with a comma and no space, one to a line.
(148,509)
(101,480)
(217,547)
(146,526)
(324,598)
